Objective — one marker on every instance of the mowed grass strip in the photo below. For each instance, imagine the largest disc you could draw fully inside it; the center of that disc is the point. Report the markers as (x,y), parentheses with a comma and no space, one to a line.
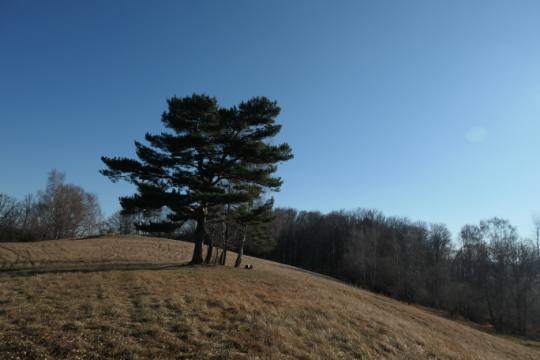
(206,312)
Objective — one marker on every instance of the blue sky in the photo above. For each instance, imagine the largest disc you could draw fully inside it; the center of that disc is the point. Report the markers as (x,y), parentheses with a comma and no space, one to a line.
(424,109)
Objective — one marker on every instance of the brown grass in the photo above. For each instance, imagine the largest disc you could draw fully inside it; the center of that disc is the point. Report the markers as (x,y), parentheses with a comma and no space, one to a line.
(127,297)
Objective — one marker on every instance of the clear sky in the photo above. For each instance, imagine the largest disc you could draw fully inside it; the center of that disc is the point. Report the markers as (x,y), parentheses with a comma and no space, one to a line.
(425,109)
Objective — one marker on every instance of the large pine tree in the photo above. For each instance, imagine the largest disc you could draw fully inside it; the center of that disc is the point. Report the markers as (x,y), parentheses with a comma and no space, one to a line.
(209,145)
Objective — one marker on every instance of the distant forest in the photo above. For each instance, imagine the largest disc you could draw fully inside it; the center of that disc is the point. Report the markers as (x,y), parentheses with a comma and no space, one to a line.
(490,275)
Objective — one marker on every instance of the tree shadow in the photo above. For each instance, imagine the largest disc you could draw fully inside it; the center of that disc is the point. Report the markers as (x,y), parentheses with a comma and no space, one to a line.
(60,268)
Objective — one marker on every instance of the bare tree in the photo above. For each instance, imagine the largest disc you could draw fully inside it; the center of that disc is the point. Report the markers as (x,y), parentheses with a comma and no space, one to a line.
(355,261)
(9,217)
(438,249)
(415,237)
(521,278)
(122,224)
(66,210)
(536,226)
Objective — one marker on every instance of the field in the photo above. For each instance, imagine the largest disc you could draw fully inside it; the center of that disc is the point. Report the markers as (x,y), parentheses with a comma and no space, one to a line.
(133,298)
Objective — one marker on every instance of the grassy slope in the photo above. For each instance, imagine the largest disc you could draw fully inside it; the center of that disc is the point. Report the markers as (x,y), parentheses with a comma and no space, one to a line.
(127,297)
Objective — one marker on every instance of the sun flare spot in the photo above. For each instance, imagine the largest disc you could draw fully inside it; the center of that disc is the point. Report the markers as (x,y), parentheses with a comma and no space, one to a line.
(476,134)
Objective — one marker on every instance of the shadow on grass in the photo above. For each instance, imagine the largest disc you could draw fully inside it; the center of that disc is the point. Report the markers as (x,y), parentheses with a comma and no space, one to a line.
(58,268)
(184,268)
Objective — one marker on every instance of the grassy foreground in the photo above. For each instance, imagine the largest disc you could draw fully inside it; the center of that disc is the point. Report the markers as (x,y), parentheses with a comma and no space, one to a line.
(122,297)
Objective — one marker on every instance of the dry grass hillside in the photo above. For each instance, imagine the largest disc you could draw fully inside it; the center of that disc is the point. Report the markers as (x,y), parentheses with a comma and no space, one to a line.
(129,297)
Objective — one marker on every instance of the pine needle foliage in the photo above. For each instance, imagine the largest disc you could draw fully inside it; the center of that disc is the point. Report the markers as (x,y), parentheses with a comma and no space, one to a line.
(209,145)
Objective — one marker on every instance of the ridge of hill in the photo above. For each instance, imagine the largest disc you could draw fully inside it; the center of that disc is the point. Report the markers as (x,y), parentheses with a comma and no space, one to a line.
(130,297)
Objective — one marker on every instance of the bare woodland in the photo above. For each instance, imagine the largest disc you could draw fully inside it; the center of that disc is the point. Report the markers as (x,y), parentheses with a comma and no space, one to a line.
(491,275)
(64,211)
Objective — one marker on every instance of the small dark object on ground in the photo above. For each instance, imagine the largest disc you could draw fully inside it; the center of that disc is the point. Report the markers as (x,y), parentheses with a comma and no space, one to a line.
(249,267)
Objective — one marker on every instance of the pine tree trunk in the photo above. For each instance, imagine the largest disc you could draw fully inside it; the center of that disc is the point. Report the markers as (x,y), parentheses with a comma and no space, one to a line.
(239,258)
(223,257)
(199,238)
(240,253)
(208,259)
(225,246)
(216,257)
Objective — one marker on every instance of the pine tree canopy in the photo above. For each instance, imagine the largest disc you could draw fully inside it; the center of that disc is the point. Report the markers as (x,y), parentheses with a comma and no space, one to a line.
(208,146)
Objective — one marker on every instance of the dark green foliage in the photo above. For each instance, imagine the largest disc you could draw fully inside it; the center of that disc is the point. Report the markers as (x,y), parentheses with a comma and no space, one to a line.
(209,146)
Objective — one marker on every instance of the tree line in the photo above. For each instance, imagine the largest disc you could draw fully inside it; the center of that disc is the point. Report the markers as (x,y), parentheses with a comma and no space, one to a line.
(491,275)
(63,211)
(58,212)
